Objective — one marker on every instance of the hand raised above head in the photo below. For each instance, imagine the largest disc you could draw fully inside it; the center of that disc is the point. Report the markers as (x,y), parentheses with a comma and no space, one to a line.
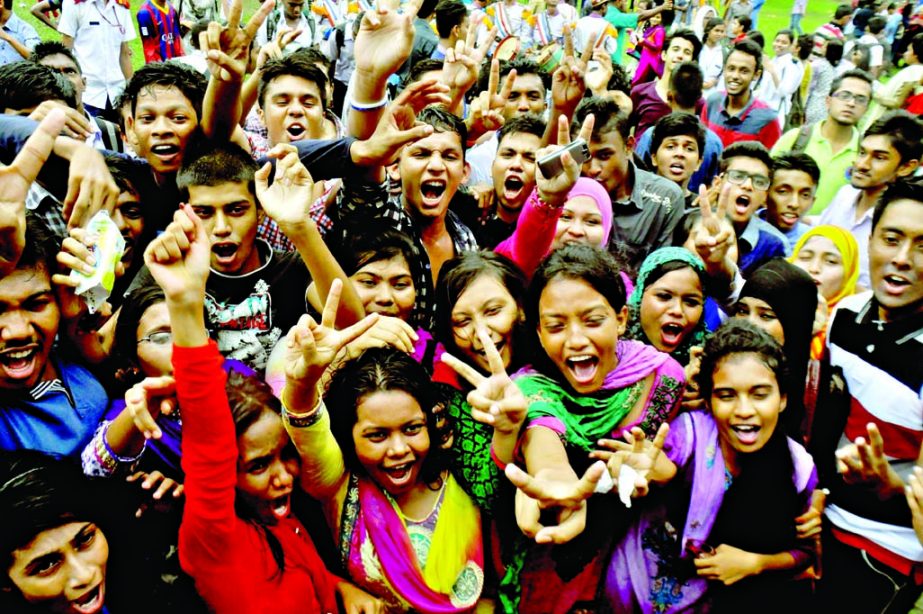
(179,258)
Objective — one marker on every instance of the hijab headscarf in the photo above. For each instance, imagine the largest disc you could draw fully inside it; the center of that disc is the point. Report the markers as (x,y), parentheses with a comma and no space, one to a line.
(792,295)
(657,258)
(592,188)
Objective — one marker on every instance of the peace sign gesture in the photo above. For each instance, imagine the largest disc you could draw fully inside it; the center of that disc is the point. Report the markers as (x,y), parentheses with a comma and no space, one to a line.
(486,112)
(713,237)
(460,69)
(495,400)
(228,47)
(644,456)
(553,190)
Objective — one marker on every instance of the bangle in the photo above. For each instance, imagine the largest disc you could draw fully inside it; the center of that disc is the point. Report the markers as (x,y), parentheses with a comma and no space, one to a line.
(496,459)
(303,421)
(368,106)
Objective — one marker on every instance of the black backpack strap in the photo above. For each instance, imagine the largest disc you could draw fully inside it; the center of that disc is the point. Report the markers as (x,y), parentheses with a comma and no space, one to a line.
(110,132)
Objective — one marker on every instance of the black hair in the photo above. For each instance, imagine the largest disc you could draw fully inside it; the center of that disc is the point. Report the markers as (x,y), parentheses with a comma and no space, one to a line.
(458,274)
(197,28)
(796,161)
(609,117)
(876,24)
(382,370)
(620,81)
(834,54)
(687,35)
(125,345)
(710,25)
(41,248)
(186,79)
(803,47)
(212,164)
(748,47)
(48,48)
(788,34)
(686,83)
(849,74)
(678,124)
(528,123)
(593,265)
(745,149)
(916,43)
(362,245)
(739,337)
(25,85)
(904,130)
(525,66)
(899,190)
(865,57)
(426,9)
(745,23)
(757,37)
(314,56)
(421,68)
(443,121)
(689,221)
(449,13)
(294,65)
(842,11)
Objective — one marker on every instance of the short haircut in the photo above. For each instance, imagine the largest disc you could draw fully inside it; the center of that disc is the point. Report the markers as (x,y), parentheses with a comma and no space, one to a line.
(620,81)
(916,43)
(687,35)
(212,164)
(804,46)
(899,190)
(41,248)
(757,37)
(677,124)
(842,11)
(426,9)
(745,22)
(834,53)
(748,47)
(47,48)
(788,34)
(443,121)
(294,65)
(686,82)
(904,130)
(123,173)
(855,73)
(608,115)
(421,68)
(527,123)
(876,24)
(745,149)
(314,56)
(25,85)
(187,80)
(449,13)
(525,66)
(796,161)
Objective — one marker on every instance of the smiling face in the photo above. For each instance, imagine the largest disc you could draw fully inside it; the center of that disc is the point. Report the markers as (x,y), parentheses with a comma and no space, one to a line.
(790,197)
(822,260)
(63,569)
(155,355)
(162,123)
(528,96)
(679,51)
(513,170)
(744,199)
(896,260)
(431,170)
(580,222)
(579,330)
(878,163)
(677,159)
(485,304)
(759,313)
(267,464)
(781,45)
(746,402)
(29,318)
(739,72)
(386,287)
(292,110)
(391,439)
(671,308)
(229,213)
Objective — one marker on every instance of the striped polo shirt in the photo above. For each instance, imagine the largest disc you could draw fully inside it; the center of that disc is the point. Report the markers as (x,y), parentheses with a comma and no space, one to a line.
(757,122)
(882,364)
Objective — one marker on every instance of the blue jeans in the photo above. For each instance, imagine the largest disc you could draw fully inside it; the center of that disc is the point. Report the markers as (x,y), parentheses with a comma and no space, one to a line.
(796,24)
(755,13)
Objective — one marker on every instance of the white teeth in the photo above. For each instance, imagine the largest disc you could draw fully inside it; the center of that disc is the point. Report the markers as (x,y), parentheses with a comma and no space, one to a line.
(580,358)
(18,355)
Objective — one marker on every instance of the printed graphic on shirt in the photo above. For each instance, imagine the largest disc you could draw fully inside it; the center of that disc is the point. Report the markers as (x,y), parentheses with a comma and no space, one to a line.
(244,331)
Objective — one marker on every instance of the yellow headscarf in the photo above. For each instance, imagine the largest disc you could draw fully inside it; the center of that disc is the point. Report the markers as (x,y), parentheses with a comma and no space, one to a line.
(849,252)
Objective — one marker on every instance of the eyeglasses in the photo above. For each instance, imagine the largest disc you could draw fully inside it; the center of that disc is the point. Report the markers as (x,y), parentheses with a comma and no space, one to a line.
(161,337)
(850,97)
(738,177)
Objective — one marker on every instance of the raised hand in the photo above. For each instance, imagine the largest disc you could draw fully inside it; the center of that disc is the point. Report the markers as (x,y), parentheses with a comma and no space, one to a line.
(163,488)
(90,186)
(598,80)
(486,112)
(495,400)
(15,180)
(179,258)
(864,463)
(553,191)
(288,200)
(714,236)
(550,491)
(460,70)
(228,47)
(384,41)
(644,456)
(273,49)
(567,82)
(149,398)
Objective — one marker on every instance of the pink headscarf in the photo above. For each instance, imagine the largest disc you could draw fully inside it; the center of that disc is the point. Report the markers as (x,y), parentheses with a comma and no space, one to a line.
(592,188)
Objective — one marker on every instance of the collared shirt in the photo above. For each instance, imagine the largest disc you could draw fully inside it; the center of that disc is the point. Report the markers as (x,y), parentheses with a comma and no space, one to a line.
(792,236)
(593,27)
(21,31)
(758,243)
(842,212)
(57,417)
(757,122)
(711,158)
(311,33)
(833,166)
(98,28)
(647,219)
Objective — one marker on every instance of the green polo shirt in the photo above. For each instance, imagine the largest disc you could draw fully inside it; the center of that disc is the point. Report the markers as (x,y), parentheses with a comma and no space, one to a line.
(833,167)
(621,22)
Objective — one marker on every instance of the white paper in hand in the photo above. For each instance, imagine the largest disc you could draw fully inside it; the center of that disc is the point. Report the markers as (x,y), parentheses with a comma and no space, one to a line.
(627,476)
(604,484)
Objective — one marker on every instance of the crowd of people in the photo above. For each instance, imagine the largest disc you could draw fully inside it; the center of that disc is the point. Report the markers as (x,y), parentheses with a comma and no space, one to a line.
(446,306)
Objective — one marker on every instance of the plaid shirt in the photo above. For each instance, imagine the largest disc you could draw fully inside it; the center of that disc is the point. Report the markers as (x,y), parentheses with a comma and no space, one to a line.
(48,208)
(374,198)
(269,231)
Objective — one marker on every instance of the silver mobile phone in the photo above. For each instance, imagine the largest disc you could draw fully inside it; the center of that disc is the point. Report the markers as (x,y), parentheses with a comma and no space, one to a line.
(551,165)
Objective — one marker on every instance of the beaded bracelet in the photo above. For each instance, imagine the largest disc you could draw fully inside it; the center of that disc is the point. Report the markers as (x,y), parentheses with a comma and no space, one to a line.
(303,421)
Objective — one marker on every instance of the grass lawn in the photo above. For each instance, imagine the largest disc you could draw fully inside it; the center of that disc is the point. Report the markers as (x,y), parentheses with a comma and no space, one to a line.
(775,16)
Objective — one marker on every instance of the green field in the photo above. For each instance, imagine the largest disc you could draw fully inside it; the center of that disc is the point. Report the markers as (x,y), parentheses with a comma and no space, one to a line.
(774,16)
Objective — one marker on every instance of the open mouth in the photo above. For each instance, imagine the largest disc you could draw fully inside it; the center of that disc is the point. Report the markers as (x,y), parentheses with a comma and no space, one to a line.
(747,434)
(399,474)
(742,205)
(789,217)
(89,602)
(513,189)
(583,368)
(671,334)
(432,191)
(497,344)
(19,363)
(677,168)
(895,284)
(225,252)
(281,506)
(165,152)
(295,132)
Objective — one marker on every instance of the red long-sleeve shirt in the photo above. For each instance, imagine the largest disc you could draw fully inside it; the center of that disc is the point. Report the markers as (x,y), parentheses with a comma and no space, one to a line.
(229,558)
